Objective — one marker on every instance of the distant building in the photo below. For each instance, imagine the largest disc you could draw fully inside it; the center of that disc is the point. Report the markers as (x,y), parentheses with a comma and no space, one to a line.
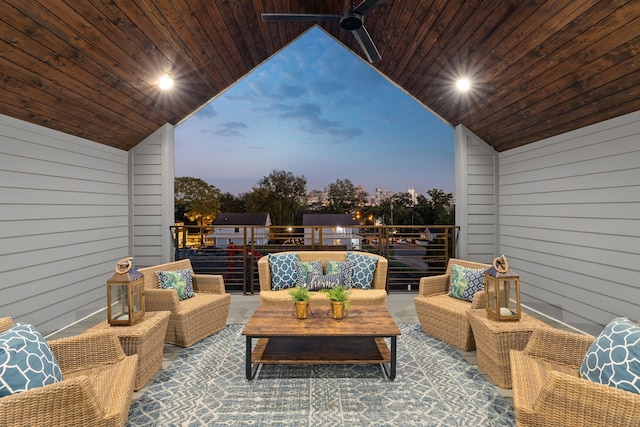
(316,198)
(229,228)
(380,195)
(335,229)
(413,195)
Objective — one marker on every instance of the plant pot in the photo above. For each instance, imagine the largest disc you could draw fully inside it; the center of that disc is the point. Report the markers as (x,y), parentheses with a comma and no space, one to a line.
(337,310)
(301,309)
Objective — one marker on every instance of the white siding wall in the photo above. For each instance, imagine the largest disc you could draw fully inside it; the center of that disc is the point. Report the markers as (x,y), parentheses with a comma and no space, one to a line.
(64,219)
(570,222)
(476,197)
(152,176)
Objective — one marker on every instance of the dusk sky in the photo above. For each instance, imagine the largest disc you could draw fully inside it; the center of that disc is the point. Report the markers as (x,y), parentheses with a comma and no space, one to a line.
(316,110)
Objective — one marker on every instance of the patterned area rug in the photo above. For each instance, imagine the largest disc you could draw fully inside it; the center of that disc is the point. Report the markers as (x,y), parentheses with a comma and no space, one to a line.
(434,386)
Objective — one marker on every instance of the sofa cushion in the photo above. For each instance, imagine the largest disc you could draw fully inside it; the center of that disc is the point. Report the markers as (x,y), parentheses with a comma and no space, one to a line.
(317,282)
(344,268)
(614,357)
(465,282)
(26,361)
(364,268)
(304,268)
(284,270)
(180,280)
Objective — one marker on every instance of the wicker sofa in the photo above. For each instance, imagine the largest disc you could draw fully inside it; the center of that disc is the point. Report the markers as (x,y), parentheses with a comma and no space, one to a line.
(377,295)
(548,390)
(442,316)
(96,390)
(194,318)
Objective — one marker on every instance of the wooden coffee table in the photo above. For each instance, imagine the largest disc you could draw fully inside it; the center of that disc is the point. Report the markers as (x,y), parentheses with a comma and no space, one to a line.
(319,339)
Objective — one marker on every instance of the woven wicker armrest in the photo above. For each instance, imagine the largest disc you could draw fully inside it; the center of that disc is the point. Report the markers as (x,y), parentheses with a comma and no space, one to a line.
(86,350)
(433,285)
(161,300)
(264,273)
(566,348)
(69,402)
(208,283)
(479,300)
(5,323)
(569,400)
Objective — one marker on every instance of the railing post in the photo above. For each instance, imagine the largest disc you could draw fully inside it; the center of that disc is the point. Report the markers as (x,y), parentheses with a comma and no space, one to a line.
(244,260)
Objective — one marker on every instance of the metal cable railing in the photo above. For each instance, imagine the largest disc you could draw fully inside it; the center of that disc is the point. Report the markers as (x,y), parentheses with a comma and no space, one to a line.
(413,251)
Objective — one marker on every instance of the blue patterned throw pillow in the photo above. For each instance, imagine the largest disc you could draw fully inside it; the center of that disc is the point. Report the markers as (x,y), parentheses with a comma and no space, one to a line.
(26,362)
(180,280)
(284,270)
(614,357)
(475,283)
(318,282)
(364,268)
(345,269)
(304,268)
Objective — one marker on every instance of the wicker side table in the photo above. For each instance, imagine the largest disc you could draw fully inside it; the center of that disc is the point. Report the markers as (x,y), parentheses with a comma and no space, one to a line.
(494,340)
(146,339)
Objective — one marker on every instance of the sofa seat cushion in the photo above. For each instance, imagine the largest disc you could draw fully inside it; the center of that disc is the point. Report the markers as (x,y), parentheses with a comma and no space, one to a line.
(201,300)
(282,298)
(444,302)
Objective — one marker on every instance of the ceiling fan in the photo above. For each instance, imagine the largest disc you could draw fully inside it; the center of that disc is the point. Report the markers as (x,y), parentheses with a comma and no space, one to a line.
(351,19)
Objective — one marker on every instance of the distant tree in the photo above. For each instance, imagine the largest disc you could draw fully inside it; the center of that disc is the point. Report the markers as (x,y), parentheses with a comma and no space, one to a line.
(196,200)
(436,208)
(441,205)
(344,197)
(257,200)
(281,194)
(231,203)
(402,200)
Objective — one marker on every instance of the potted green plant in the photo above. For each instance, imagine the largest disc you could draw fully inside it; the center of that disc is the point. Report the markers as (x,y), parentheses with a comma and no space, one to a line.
(300,296)
(339,299)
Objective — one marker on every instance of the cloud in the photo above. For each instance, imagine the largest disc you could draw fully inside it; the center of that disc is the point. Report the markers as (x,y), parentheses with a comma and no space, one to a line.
(231,129)
(207,112)
(278,91)
(311,121)
(322,86)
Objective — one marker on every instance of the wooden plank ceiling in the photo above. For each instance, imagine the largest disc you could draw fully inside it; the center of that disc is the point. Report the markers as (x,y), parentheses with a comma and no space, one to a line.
(539,67)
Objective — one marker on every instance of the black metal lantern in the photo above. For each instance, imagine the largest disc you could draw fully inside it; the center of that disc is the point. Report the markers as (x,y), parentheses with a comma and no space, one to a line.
(125,295)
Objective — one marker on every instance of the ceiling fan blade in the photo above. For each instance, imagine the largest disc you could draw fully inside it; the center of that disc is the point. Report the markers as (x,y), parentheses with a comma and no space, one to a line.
(290,17)
(367,6)
(366,44)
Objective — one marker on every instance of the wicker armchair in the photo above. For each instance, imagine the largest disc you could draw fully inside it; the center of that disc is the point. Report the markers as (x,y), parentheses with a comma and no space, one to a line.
(445,317)
(96,389)
(548,390)
(194,318)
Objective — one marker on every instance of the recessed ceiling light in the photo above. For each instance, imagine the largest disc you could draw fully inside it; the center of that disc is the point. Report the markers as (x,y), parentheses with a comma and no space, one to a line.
(165,82)
(463,85)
